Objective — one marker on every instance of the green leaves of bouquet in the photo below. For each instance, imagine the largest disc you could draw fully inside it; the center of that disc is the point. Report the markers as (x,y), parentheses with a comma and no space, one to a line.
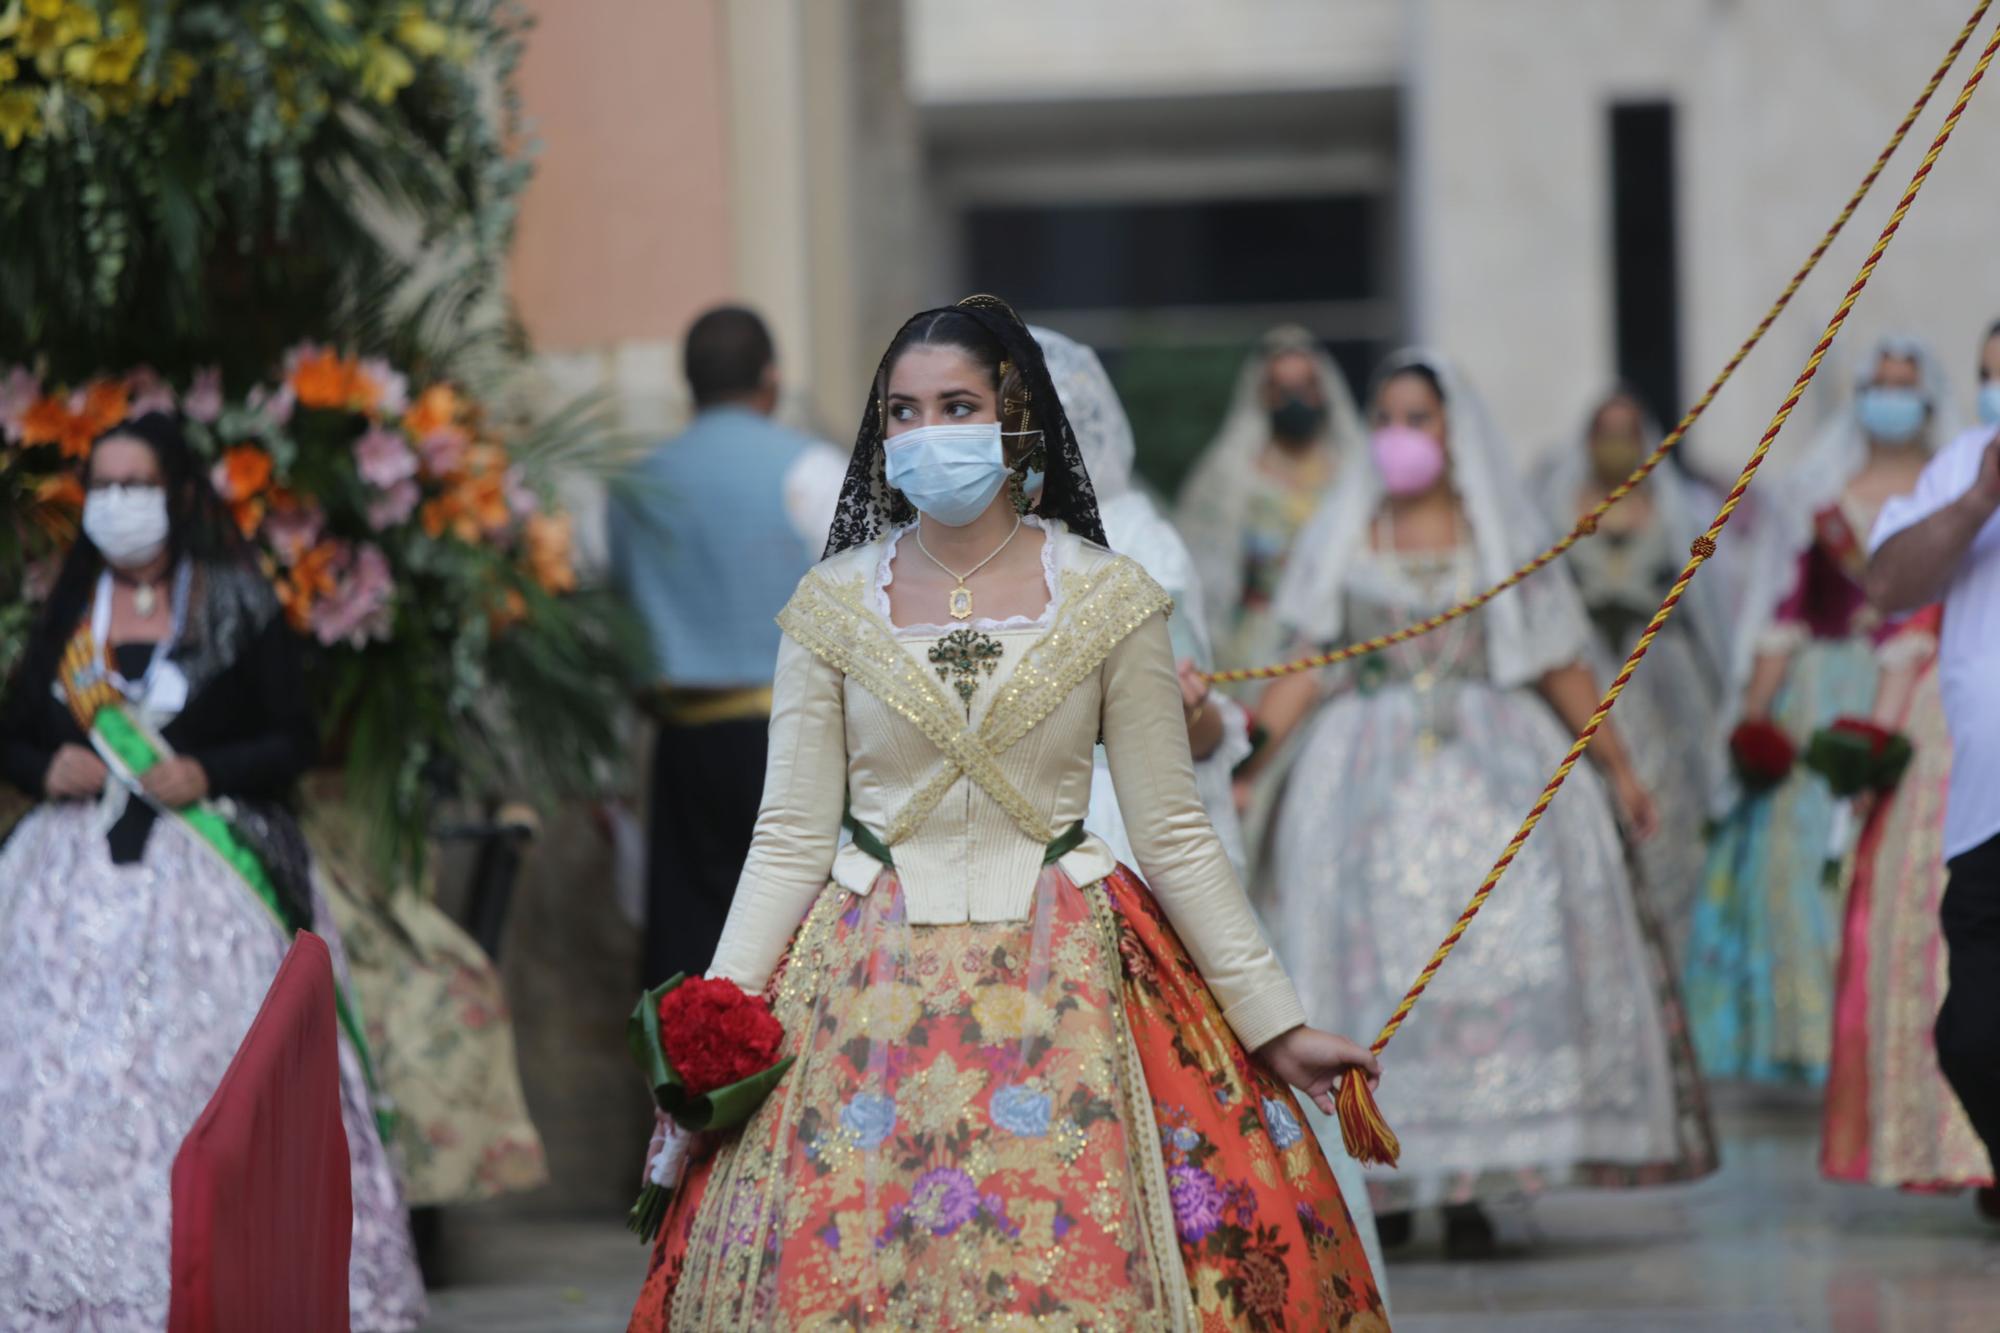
(709,1052)
(1856,756)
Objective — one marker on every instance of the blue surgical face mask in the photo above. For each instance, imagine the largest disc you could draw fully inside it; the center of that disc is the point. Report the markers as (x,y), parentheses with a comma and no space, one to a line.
(1989,403)
(1891,415)
(950,473)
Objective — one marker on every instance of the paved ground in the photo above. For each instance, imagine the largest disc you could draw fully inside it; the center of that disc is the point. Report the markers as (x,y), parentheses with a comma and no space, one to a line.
(1765,1247)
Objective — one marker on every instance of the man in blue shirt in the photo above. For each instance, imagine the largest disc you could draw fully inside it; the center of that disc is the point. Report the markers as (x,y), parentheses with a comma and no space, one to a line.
(703,548)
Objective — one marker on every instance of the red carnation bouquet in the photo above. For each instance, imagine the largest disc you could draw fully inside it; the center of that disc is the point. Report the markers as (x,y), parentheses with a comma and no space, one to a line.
(710,1053)
(1855,755)
(1762,754)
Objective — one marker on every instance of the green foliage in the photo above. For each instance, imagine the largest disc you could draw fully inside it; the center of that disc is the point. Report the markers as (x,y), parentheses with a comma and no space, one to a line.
(203,182)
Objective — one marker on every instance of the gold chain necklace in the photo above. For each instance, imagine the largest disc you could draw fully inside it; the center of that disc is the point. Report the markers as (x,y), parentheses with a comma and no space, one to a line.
(961,596)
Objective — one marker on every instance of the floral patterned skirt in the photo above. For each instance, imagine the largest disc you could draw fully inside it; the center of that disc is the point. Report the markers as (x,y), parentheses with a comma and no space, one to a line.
(1041,1124)
(1891,1119)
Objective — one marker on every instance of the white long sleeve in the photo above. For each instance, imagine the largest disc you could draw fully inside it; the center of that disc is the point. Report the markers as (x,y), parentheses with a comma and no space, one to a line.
(798,823)
(1145,741)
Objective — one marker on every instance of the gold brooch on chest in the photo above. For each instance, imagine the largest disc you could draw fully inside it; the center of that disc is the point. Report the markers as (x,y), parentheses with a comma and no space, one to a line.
(962,657)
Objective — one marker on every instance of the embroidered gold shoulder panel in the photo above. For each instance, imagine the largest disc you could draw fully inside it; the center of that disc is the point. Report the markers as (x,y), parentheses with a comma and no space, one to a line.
(1099,608)
(829,617)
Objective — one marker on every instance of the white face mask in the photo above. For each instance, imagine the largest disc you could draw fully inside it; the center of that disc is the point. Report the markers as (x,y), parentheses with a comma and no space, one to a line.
(127,524)
(950,473)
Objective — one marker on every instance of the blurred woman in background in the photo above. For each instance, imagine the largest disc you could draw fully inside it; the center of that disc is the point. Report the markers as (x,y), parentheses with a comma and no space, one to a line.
(1891,1118)
(1289,424)
(1549,1052)
(1761,948)
(1668,713)
(136,943)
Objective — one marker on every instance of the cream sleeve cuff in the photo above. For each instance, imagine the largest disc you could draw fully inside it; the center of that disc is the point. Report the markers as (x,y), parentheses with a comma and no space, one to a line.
(1269,1013)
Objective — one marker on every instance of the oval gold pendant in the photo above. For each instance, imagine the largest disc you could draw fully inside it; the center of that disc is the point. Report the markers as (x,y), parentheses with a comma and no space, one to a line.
(961,603)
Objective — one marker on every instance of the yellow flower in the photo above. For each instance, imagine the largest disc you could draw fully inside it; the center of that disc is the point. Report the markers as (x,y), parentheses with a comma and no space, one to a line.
(420,35)
(890,1010)
(10,68)
(177,78)
(1001,1012)
(108,63)
(385,71)
(48,10)
(20,117)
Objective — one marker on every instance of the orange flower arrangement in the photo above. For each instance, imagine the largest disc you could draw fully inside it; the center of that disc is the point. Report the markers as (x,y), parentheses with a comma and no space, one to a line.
(241,478)
(322,378)
(59,504)
(105,404)
(310,579)
(45,421)
(474,502)
(100,406)
(549,561)
(436,408)
(507,611)
(243,473)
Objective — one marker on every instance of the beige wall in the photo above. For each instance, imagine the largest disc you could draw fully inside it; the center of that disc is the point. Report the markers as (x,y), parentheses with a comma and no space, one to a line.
(624,233)
(1777,120)
(975,51)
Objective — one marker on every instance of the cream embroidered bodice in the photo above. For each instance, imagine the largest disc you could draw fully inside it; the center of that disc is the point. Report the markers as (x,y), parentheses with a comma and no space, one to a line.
(967,786)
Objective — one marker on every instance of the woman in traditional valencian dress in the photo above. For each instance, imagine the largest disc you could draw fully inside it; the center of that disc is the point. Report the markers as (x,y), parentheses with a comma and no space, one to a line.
(1761,949)
(1891,1119)
(1290,424)
(1668,714)
(142,918)
(1550,1051)
(1024,1094)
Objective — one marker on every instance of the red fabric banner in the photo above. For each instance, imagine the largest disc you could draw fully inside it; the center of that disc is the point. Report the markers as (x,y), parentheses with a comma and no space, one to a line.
(263,1213)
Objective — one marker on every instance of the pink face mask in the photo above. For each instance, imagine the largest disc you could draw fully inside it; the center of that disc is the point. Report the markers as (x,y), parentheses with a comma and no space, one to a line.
(1409,460)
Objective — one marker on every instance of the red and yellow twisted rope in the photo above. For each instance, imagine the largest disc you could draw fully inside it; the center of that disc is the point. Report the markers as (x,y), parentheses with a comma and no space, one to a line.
(1367,1135)
(1587,525)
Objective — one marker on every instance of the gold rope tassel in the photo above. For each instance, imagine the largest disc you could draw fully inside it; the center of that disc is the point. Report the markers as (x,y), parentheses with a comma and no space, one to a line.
(1367,1135)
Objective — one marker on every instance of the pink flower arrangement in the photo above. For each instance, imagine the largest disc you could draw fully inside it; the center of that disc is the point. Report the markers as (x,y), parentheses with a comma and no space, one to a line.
(393,507)
(360,607)
(294,529)
(382,459)
(18,392)
(203,401)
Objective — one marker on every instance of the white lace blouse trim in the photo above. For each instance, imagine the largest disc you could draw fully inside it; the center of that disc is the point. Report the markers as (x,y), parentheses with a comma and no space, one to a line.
(885,575)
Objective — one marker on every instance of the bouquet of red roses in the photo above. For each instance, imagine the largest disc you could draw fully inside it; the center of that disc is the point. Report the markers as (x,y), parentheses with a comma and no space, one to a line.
(709,1051)
(1856,756)
(1762,755)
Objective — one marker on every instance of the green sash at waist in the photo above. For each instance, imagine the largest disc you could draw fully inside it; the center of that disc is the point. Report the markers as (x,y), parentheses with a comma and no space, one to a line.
(1058,847)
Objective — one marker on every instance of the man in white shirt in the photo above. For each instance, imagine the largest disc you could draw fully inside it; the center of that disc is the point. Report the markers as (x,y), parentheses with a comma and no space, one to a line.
(1942,541)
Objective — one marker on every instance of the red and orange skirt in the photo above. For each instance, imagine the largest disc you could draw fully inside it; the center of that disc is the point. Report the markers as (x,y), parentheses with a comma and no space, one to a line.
(1042,1124)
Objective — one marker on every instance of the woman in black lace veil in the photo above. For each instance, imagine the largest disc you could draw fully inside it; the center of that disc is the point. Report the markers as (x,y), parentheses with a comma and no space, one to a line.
(1029,1087)
(869,506)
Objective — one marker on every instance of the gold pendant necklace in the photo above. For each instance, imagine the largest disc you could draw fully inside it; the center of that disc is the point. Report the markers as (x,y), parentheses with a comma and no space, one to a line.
(960,601)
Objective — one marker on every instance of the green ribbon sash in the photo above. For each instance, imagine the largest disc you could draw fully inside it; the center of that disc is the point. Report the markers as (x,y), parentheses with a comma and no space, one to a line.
(1058,847)
(127,747)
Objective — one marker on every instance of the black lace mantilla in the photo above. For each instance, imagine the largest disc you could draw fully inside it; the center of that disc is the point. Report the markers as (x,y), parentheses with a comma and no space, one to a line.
(870,507)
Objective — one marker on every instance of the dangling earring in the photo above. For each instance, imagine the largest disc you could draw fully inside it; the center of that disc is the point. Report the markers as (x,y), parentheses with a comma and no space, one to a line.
(1017,487)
